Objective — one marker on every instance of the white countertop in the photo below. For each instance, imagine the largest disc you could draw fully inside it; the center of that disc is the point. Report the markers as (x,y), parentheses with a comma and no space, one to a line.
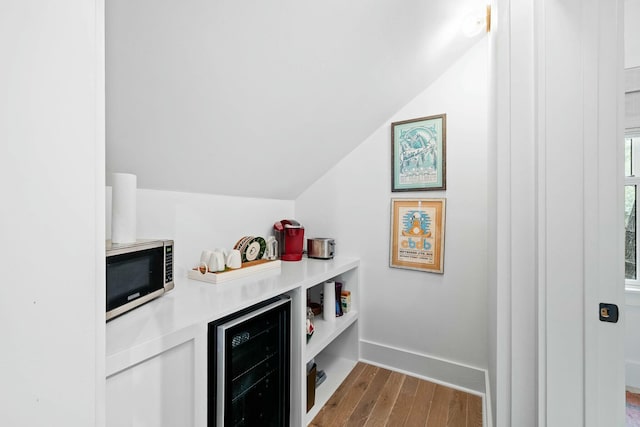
(192,304)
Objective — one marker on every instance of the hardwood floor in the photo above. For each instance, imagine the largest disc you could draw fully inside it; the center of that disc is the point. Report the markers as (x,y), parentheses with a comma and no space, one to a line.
(372,396)
(632,409)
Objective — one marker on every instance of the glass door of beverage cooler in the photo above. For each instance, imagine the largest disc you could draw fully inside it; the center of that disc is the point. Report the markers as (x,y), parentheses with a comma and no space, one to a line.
(249,368)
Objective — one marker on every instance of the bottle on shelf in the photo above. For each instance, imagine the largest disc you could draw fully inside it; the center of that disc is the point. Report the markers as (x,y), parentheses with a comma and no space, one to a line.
(338,296)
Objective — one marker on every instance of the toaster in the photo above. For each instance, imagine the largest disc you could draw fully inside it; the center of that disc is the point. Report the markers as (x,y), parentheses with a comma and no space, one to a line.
(321,248)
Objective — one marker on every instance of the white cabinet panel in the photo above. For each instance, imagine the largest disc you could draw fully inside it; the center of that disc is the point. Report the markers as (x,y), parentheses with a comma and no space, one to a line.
(158,392)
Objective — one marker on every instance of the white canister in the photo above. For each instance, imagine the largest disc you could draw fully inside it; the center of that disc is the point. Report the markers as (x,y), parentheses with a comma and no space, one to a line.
(329,302)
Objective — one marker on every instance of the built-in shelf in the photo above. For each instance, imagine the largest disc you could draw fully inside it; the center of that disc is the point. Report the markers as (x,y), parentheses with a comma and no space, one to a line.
(336,369)
(326,332)
(334,345)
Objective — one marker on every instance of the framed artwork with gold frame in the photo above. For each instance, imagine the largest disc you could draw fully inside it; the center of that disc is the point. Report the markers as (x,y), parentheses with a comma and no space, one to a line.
(417,234)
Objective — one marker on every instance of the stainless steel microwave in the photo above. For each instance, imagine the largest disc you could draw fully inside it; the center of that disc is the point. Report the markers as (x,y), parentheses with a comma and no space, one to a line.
(137,273)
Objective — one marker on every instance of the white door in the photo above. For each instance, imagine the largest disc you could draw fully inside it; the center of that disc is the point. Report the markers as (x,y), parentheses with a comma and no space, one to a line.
(581,189)
(559,197)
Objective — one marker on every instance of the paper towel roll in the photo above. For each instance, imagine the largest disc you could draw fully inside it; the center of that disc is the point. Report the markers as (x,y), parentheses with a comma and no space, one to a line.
(329,302)
(123,208)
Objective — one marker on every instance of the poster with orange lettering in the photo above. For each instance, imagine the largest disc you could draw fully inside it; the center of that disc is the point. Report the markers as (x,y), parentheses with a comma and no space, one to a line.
(417,234)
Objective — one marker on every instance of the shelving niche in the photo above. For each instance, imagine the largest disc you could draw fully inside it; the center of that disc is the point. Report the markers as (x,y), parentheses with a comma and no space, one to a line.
(334,344)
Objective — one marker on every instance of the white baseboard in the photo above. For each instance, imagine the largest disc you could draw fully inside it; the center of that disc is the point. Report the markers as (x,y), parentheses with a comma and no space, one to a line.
(455,375)
(448,373)
(486,402)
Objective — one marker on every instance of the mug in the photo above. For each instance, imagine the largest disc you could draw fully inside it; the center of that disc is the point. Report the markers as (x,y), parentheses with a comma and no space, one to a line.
(234,259)
(272,248)
(217,261)
(205,256)
(223,250)
(205,261)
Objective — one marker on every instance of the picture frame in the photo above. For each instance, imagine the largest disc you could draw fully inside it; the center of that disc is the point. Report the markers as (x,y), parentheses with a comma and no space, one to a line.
(418,154)
(417,234)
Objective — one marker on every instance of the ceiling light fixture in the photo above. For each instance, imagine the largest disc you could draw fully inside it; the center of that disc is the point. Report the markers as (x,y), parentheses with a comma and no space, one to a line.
(473,24)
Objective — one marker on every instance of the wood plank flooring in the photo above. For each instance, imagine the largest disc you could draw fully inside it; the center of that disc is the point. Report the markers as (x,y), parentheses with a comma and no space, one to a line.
(376,397)
(632,408)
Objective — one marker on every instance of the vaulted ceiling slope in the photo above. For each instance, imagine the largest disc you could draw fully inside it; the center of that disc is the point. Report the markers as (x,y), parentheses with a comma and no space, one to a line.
(259,98)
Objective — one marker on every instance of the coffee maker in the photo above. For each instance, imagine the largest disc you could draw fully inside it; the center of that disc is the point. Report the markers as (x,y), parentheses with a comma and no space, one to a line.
(290,236)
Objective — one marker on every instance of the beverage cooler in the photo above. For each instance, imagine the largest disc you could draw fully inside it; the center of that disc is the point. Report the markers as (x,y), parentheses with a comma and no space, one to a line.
(249,366)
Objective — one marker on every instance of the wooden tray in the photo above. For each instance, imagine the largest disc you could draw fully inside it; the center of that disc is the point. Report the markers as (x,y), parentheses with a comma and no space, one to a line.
(247,269)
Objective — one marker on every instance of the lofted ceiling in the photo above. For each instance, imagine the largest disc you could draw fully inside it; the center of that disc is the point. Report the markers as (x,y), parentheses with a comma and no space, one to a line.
(259,98)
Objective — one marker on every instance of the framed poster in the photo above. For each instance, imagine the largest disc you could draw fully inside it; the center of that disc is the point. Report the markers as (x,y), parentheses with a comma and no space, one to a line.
(417,234)
(418,154)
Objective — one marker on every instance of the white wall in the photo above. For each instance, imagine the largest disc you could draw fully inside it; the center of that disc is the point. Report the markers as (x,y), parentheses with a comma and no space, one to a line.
(52,186)
(632,340)
(632,33)
(232,87)
(439,316)
(201,221)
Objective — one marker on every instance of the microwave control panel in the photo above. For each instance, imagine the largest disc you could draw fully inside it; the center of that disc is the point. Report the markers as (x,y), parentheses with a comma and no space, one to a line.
(168,263)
